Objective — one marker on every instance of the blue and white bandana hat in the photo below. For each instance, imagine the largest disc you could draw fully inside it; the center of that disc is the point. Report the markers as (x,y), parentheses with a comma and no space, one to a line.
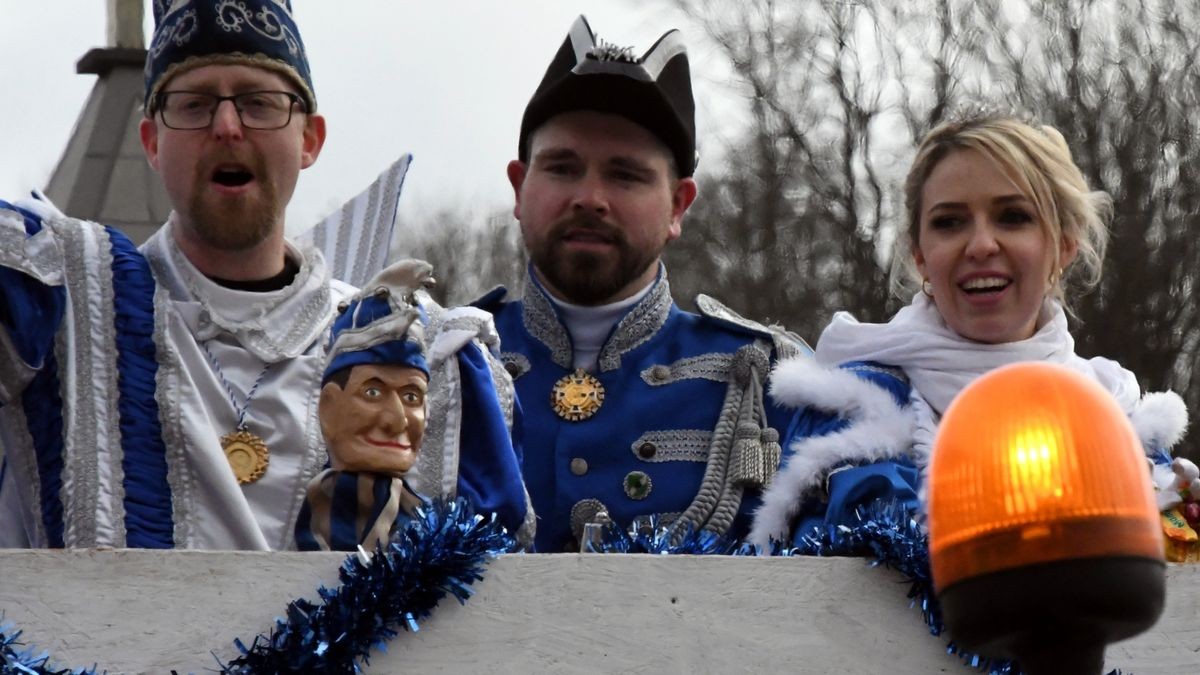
(189,34)
(383,323)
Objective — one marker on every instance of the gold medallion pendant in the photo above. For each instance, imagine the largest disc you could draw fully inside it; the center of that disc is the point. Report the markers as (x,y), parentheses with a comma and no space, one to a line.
(577,396)
(247,455)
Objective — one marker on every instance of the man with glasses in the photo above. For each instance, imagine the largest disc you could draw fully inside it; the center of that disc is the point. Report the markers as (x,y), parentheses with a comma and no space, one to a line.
(167,396)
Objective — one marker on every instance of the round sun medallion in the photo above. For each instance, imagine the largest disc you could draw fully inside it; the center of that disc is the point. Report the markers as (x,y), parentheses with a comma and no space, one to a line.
(247,455)
(577,396)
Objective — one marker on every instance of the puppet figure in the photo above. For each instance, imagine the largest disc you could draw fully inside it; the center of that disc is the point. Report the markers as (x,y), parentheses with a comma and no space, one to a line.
(372,411)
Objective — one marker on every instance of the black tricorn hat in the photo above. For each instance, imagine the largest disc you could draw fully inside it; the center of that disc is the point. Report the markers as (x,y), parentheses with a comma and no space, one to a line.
(654,91)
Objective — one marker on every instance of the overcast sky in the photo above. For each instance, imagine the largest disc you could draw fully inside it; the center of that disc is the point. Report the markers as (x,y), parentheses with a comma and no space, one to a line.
(446,81)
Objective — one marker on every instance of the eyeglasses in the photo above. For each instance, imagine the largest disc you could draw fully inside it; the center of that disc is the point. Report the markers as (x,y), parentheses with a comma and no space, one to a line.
(188,110)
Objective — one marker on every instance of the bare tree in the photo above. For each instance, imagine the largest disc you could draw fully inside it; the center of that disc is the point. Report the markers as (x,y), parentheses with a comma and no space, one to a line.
(799,218)
(798,222)
(470,257)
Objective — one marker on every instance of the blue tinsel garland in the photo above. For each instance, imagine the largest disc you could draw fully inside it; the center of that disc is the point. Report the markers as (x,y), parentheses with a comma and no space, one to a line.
(28,661)
(442,550)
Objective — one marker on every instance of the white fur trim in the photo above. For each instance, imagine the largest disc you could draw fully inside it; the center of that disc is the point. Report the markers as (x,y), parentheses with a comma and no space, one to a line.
(876,428)
(1160,419)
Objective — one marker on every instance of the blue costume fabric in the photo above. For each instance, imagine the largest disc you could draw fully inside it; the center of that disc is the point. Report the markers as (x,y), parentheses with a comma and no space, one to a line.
(351,518)
(856,440)
(659,445)
(850,481)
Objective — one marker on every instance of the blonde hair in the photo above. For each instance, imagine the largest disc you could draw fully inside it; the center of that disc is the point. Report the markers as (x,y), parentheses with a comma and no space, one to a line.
(1039,163)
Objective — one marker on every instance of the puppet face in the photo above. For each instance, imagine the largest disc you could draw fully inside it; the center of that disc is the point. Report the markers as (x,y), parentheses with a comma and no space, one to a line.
(375,422)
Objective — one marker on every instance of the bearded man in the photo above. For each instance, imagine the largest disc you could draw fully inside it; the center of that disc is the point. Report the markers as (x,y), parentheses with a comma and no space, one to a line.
(166,397)
(634,410)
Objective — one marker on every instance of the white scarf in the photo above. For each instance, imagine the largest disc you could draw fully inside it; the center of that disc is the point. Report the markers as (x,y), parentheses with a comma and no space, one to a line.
(939,362)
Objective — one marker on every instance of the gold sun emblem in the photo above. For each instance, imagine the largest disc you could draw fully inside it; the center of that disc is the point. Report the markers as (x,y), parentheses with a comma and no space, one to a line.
(577,396)
(247,455)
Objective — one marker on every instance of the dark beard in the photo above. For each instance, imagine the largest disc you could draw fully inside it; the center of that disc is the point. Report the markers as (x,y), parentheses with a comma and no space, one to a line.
(233,224)
(587,278)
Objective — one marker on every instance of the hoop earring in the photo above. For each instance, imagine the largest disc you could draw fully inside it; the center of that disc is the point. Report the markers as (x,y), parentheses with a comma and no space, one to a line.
(925,288)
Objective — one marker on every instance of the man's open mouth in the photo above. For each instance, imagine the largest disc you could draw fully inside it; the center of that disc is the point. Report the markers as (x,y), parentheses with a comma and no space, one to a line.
(232,176)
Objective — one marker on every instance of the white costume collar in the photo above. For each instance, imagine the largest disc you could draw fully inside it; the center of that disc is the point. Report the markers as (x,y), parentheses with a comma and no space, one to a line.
(273,326)
(589,327)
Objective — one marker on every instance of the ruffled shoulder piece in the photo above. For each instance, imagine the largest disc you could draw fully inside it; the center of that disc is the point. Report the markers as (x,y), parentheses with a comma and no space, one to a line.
(787,344)
(877,427)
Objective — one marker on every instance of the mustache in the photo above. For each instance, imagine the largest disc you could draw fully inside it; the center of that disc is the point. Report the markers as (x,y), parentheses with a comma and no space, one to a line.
(586,222)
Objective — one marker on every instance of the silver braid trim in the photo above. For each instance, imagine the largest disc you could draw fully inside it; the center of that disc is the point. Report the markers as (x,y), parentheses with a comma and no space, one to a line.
(528,530)
(638,326)
(682,445)
(315,454)
(437,464)
(716,367)
(91,432)
(170,416)
(543,325)
(720,496)
(702,507)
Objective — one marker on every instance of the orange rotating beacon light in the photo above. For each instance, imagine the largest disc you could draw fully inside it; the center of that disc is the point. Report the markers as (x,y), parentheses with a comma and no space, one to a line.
(1044,536)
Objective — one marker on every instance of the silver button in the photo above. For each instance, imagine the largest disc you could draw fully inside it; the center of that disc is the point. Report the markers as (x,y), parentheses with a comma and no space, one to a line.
(579,466)
(660,373)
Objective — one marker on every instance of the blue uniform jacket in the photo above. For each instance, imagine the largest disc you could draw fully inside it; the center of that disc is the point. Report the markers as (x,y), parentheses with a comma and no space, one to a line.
(658,444)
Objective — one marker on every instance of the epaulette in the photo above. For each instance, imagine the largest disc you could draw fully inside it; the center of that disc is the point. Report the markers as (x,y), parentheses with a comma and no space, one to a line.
(787,344)
(491,301)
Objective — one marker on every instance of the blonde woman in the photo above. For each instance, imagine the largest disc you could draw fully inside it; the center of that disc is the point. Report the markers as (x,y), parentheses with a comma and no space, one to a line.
(1002,229)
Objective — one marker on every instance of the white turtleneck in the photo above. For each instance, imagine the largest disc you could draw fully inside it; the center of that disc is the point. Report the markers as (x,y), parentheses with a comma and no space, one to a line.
(589,327)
